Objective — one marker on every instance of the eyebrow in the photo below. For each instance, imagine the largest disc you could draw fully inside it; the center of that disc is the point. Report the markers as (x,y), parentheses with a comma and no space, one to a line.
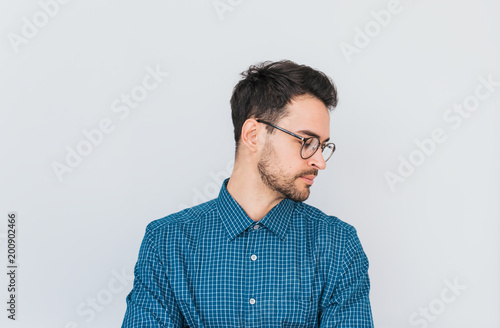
(312,134)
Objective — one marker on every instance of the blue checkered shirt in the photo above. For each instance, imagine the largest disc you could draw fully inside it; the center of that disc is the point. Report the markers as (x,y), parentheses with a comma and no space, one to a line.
(212,266)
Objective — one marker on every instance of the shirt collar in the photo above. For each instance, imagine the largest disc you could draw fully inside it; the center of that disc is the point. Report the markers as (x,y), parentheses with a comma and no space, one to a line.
(236,220)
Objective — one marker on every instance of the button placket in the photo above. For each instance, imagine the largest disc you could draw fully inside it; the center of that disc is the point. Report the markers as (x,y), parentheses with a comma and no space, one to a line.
(254,271)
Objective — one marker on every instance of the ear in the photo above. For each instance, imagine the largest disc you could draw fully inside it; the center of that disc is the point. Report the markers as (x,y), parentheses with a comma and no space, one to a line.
(249,134)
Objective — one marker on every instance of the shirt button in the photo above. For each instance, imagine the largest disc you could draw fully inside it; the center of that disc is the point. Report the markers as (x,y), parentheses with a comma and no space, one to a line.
(256,226)
(252,301)
(253,257)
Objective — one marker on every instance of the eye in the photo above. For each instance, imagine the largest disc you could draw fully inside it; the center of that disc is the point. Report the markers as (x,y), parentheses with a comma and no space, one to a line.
(312,144)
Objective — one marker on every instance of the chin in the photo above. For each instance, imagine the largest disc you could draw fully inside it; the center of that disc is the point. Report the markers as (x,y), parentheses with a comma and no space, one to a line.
(301,194)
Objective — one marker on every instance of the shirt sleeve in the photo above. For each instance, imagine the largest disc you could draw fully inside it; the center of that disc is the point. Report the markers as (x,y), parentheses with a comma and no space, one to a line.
(347,302)
(151,303)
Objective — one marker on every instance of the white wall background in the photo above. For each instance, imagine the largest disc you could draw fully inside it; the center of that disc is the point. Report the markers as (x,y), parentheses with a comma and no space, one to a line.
(438,226)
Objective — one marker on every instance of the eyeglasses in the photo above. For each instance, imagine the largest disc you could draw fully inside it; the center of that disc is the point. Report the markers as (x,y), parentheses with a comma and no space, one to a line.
(309,145)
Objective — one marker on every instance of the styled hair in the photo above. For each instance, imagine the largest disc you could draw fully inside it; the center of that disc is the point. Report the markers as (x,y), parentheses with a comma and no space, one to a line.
(267,87)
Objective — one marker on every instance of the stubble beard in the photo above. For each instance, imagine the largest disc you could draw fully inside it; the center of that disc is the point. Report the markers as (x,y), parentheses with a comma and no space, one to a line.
(274,177)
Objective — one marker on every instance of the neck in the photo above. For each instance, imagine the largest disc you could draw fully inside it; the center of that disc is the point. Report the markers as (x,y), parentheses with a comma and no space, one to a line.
(246,187)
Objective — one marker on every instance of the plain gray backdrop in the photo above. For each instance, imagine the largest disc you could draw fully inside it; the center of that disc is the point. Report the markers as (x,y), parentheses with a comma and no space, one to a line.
(116,113)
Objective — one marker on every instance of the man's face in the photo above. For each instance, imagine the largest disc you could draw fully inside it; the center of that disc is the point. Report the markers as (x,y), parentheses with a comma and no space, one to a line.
(280,165)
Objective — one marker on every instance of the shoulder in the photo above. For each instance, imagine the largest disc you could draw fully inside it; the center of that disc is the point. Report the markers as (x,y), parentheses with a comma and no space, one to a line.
(186,217)
(329,233)
(328,223)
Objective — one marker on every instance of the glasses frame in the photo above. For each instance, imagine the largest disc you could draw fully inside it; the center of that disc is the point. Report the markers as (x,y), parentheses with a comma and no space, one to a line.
(304,140)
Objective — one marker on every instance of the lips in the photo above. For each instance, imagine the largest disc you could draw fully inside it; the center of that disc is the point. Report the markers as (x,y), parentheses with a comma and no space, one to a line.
(309,179)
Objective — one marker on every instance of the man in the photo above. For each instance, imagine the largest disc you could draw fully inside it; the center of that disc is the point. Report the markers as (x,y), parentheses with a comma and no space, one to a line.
(257,256)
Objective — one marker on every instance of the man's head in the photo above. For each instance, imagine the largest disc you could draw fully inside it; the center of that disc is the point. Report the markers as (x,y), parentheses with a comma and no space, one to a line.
(268,87)
(295,99)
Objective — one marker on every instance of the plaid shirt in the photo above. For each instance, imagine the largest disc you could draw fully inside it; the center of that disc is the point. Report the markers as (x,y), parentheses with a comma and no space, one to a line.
(212,266)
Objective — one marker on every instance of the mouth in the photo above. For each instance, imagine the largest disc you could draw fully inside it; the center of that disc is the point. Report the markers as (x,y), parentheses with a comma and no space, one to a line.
(309,179)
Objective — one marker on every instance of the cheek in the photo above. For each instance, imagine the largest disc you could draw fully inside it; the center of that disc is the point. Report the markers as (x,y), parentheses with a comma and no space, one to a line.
(287,157)
(284,156)
(290,160)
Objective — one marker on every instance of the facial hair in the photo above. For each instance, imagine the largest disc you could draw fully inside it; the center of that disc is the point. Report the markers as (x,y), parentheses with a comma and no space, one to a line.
(275,179)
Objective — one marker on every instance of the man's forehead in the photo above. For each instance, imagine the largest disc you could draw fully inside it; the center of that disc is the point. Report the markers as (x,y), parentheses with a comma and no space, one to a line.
(309,116)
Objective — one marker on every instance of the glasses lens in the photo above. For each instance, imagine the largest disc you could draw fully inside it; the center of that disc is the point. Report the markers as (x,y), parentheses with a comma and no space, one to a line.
(328,151)
(310,147)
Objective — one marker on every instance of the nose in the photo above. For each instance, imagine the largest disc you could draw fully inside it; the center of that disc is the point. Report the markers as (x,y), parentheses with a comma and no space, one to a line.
(317,160)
